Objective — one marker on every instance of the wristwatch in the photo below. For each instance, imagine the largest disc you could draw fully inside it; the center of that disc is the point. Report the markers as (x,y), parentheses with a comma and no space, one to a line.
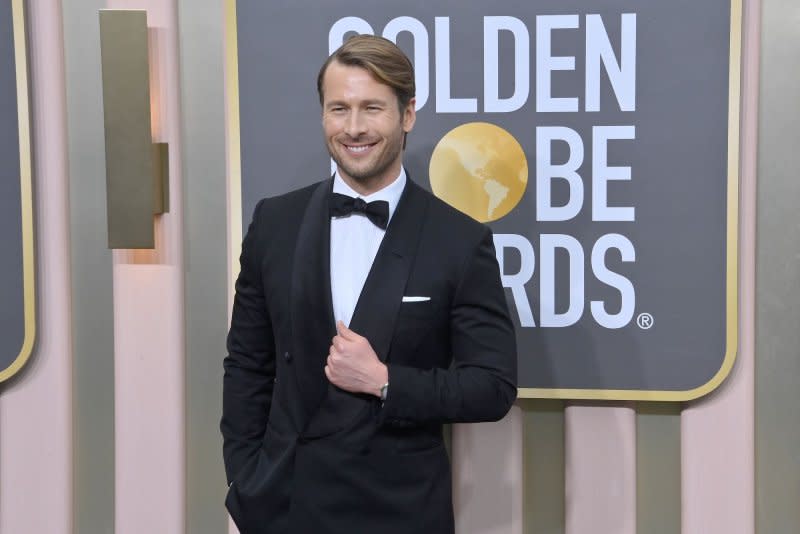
(384,391)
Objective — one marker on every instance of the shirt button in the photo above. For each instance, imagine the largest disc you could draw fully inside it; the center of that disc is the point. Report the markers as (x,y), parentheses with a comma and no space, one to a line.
(287,356)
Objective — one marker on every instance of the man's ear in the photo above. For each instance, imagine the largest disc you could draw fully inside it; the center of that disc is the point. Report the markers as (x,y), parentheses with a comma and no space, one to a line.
(410,115)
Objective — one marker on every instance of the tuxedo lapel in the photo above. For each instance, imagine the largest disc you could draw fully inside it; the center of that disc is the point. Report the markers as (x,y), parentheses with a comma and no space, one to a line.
(311,305)
(380,299)
(376,311)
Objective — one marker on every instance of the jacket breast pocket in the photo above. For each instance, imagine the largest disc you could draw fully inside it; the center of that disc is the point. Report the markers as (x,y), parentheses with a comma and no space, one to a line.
(421,310)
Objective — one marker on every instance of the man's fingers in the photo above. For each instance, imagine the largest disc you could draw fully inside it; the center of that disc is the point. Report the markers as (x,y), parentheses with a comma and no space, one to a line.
(340,328)
(333,358)
(337,346)
(345,332)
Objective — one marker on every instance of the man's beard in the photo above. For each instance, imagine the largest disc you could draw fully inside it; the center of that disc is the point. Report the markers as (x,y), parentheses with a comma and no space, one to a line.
(366,175)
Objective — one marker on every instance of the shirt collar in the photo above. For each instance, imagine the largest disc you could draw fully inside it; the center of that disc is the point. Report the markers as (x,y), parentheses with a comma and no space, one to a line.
(391,193)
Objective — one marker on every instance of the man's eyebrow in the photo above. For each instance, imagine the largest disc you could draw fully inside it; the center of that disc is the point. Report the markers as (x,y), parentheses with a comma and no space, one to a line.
(367,102)
(373,102)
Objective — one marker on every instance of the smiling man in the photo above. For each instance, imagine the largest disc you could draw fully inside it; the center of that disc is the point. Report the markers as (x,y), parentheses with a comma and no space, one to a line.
(368,313)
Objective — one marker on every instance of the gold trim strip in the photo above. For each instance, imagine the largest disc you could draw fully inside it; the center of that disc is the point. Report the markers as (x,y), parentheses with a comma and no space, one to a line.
(26,190)
(233,148)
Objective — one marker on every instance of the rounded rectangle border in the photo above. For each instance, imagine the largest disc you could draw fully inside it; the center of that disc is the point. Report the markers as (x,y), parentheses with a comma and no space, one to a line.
(233,151)
(26,190)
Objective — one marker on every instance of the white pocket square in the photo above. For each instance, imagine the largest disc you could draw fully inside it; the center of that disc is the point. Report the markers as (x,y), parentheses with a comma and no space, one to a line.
(416,299)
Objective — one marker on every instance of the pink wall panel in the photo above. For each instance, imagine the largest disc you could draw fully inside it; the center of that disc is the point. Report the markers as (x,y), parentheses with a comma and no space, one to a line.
(600,458)
(487,476)
(148,324)
(717,431)
(36,406)
(149,397)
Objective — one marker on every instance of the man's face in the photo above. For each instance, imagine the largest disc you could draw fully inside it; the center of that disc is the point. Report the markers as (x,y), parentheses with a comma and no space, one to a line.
(363,126)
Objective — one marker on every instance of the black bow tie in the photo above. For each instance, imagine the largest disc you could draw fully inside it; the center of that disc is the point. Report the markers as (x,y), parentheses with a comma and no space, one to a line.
(376,211)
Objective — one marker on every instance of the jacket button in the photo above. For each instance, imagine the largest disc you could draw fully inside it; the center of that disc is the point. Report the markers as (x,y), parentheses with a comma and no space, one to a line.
(287,356)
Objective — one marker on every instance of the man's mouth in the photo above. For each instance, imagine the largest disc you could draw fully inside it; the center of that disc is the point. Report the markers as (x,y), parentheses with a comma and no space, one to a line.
(359,149)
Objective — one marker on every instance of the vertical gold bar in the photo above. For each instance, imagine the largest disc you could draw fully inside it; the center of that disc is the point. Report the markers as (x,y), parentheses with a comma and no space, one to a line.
(130,166)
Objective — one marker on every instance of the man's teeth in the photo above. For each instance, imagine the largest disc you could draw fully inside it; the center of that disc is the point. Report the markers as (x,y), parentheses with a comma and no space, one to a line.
(358,148)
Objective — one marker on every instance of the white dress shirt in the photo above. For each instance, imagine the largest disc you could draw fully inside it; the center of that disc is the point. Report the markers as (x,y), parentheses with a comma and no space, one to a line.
(354,243)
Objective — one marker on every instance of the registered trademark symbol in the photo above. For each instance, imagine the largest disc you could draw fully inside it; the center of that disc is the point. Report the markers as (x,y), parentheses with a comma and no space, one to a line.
(645,321)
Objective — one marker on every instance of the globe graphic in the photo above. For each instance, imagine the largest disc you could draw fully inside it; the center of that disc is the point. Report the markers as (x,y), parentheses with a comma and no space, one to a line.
(479,169)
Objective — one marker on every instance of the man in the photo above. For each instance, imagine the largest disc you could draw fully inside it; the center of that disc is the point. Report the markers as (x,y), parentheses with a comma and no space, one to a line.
(367,314)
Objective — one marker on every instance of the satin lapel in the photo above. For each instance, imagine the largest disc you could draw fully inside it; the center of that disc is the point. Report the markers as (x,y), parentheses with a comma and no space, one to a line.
(311,304)
(378,304)
(380,299)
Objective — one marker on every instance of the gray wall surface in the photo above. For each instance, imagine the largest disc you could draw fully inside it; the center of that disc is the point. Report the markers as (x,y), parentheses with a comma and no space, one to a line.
(205,256)
(778,272)
(92,272)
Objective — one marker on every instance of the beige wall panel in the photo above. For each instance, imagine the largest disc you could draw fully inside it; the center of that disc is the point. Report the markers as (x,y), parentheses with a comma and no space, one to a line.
(148,322)
(600,469)
(487,476)
(151,451)
(149,445)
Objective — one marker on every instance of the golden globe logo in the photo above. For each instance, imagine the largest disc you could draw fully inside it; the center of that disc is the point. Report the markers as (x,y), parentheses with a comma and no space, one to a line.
(479,169)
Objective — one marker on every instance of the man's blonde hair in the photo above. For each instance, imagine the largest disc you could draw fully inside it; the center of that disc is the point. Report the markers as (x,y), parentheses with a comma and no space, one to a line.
(381,58)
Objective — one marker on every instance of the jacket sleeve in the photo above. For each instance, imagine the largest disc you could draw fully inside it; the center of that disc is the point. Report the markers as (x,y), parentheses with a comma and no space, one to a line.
(481,383)
(250,364)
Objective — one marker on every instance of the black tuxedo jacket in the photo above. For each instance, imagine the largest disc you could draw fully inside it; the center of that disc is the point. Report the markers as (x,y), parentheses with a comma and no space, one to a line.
(303,456)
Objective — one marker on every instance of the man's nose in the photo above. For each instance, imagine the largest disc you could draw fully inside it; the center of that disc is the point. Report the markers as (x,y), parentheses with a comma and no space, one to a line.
(356,124)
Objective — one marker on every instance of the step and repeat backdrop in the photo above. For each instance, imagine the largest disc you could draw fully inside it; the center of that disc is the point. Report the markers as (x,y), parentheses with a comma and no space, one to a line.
(598,140)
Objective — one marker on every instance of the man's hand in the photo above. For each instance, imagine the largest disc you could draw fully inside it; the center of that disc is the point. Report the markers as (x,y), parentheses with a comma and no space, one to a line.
(352,364)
